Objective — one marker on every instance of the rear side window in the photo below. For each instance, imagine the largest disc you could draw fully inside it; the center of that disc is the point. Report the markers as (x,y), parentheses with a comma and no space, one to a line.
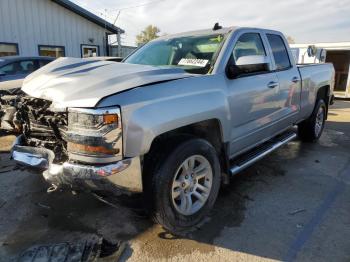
(279,52)
(43,63)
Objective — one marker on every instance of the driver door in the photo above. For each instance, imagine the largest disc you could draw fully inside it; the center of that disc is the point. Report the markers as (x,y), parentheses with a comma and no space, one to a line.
(252,97)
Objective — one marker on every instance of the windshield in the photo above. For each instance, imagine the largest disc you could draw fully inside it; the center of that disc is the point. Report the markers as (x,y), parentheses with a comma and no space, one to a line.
(195,54)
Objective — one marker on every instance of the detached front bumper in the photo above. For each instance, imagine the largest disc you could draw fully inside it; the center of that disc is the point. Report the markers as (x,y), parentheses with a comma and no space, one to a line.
(120,177)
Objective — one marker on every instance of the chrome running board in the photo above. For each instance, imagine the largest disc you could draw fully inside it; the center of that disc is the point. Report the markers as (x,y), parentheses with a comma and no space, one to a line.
(254,155)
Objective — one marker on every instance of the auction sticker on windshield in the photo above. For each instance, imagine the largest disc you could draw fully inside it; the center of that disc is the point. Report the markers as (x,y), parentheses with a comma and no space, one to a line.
(193,62)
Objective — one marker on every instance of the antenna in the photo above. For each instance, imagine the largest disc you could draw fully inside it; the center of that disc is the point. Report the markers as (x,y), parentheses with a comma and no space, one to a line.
(217,27)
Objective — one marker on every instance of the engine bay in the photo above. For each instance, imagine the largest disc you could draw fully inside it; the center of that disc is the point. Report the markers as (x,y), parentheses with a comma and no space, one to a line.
(41,126)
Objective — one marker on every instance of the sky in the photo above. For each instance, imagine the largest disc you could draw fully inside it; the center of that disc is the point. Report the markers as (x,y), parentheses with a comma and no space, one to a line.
(306,21)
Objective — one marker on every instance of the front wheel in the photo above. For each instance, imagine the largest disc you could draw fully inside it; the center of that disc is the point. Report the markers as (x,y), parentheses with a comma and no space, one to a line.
(185,186)
(310,130)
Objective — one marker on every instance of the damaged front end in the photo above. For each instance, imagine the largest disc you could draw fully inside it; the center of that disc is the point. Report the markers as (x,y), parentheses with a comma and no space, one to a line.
(79,148)
(42,127)
(8,112)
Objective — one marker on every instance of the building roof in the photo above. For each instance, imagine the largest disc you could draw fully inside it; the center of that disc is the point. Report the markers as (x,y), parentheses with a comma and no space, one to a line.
(88,15)
(327,46)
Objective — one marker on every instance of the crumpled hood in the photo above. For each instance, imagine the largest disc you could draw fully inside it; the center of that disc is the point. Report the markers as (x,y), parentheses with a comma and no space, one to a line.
(74,82)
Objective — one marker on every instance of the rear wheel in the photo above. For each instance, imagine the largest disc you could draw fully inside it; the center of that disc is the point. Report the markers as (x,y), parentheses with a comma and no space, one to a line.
(185,186)
(310,130)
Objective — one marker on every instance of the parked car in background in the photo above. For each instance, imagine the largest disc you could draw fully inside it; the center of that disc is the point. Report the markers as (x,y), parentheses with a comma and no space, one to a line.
(13,70)
(174,121)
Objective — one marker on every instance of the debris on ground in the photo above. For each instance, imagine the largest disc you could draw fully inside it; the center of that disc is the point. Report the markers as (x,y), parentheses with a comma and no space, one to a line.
(84,251)
(297,211)
(43,206)
(90,250)
(6,142)
(2,203)
(110,250)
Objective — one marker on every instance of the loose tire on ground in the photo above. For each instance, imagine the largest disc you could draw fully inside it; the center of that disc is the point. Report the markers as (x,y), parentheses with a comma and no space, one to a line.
(169,178)
(310,130)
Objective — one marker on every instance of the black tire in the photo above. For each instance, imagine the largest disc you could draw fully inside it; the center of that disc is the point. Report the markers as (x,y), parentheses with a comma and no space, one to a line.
(308,130)
(161,180)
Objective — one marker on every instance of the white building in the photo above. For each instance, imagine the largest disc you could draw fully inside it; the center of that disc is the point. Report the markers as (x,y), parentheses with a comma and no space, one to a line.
(336,53)
(52,28)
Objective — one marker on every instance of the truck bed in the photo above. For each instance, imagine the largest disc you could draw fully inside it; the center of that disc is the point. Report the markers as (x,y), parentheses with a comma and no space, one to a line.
(314,76)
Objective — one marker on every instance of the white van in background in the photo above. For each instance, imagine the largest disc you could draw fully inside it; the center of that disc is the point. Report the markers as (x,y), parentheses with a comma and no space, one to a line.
(336,53)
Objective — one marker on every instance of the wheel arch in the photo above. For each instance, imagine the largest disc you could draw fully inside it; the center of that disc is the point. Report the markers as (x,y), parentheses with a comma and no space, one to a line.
(324,92)
(210,130)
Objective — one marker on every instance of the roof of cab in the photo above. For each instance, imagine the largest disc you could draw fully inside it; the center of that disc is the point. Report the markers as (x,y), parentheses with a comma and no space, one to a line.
(223,30)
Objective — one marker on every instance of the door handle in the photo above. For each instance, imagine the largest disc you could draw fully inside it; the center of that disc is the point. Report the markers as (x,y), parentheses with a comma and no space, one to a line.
(272,84)
(295,79)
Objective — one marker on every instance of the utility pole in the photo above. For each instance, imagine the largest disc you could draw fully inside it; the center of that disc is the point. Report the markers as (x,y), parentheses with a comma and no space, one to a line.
(119,41)
(119,44)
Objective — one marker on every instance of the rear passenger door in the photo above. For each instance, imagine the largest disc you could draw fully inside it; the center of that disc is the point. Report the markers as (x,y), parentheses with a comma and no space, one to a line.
(288,77)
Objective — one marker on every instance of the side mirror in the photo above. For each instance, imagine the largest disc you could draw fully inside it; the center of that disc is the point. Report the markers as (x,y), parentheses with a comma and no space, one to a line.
(247,65)
(311,50)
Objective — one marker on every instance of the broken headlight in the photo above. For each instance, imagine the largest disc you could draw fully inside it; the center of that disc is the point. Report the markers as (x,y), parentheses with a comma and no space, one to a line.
(94,135)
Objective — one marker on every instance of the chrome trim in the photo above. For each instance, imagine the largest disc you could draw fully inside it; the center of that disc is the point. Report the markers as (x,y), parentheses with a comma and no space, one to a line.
(103,171)
(124,175)
(96,111)
(94,159)
(236,169)
(40,158)
(30,159)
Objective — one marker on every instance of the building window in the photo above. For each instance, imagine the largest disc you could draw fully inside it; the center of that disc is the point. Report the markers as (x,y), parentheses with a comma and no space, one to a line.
(53,51)
(89,51)
(8,49)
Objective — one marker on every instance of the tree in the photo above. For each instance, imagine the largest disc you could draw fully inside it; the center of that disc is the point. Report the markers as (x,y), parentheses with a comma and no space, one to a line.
(151,32)
(290,40)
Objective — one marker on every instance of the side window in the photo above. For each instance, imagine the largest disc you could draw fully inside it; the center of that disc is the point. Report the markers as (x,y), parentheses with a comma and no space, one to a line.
(9,69)
(248,44)
(28,66)
(43,63)
(279,52)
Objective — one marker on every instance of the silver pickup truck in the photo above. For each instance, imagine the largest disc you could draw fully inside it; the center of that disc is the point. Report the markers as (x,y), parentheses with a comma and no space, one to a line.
(174,121)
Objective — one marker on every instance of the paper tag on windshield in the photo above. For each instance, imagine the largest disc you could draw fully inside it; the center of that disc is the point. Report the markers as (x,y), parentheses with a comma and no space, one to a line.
(193,62)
